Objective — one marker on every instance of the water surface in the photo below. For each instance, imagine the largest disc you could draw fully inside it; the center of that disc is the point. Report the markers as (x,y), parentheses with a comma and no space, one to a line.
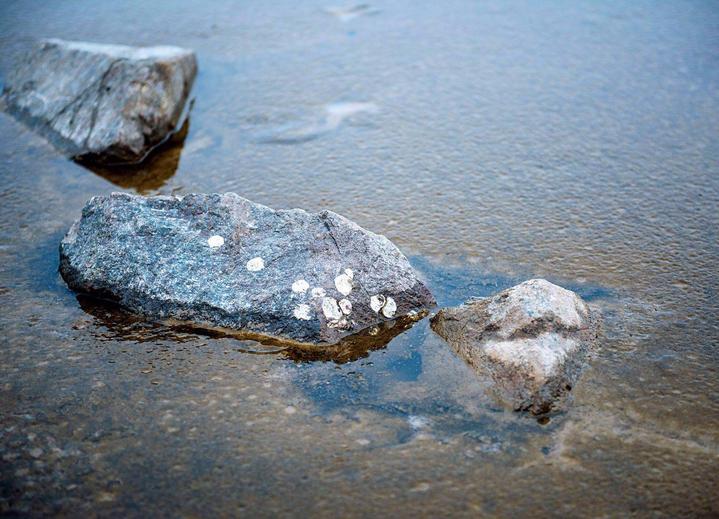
(492,142)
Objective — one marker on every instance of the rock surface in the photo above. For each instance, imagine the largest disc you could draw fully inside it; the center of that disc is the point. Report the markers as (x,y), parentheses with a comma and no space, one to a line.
(106,103)
(531,339)
(220,261)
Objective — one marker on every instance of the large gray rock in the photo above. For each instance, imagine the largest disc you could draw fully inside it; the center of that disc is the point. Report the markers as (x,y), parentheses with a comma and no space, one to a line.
(106,103)
(220,261)
(531,339)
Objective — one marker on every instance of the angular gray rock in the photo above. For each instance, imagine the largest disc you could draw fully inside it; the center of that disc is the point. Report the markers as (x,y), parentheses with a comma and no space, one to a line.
(531,339)
(221,261)
(105,103)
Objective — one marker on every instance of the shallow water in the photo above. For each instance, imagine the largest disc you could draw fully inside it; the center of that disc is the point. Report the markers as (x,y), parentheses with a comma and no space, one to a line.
(492,143)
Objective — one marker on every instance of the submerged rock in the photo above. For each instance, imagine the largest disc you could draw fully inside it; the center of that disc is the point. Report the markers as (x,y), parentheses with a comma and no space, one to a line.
(220,261)
(107,103)
(531,339)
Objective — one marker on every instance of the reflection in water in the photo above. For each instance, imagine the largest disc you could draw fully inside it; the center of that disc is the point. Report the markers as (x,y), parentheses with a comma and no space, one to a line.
(357,346)
(345,14)
(119,324)
(330,118)
(150,174)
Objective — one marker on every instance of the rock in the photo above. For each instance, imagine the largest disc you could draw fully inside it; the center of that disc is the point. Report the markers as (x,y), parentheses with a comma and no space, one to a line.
(531,339)
(106,103)
(220,261)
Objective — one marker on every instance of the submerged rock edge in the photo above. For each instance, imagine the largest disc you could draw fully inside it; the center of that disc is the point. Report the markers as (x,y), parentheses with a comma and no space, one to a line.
(513,356)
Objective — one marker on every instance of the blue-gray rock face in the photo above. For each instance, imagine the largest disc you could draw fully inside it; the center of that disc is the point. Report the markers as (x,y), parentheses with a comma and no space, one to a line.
(106,103)
(221,261)
(530,339)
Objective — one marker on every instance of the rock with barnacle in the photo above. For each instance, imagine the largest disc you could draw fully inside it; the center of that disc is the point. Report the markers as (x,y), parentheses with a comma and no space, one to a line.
(531,340)
(221,261)
(105,103)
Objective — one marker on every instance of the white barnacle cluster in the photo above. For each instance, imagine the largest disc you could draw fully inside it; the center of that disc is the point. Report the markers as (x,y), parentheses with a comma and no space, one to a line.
(255,264)
(215,241)
(343,282)
(346,306)
(336,312)
(303,312)
(300,286)
(384,304)
(331,309)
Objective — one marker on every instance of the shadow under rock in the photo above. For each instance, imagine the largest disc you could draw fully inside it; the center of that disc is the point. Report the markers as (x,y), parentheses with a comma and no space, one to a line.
(150,174)
(116,323)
